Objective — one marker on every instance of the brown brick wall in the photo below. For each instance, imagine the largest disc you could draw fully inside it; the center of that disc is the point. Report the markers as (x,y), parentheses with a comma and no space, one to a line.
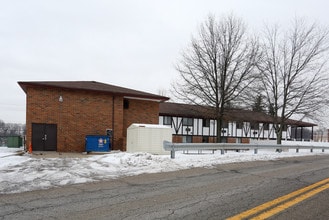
(197,139)
(245,140)
(140,111)
(80,114)
(85,113)
(117,116)
(212,139)
(231,140)
(177,139)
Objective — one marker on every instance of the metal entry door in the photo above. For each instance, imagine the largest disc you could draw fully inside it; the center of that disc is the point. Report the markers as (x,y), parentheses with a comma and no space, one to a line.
(44,137)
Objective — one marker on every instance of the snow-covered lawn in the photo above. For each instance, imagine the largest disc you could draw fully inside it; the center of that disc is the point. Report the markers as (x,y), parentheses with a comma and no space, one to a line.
(25,172)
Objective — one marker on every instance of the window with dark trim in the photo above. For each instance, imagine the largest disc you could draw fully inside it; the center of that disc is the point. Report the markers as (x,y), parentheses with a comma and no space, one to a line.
(125,103)
(255,126)
(187,121)
(206,122)
(224,124)
(167,120)
(239,125)
(266,126)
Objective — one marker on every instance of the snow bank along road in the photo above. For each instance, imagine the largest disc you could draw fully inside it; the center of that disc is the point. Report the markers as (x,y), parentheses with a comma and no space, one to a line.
(50,169)
(218,192)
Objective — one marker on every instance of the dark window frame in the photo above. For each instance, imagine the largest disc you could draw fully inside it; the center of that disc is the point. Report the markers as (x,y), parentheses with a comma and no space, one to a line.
(166,120)
(239,125)
(266,126)
(254,126)
(206,122)
(187,121)
(125,103)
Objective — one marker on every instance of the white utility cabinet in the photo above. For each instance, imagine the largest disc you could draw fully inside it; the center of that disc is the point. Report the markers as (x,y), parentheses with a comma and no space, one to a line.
(148,138)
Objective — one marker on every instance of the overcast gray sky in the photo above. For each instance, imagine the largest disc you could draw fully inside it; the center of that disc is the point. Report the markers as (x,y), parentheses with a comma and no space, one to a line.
(128,43)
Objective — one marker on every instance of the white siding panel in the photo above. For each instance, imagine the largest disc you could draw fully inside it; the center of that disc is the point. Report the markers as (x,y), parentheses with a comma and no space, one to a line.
(148,138)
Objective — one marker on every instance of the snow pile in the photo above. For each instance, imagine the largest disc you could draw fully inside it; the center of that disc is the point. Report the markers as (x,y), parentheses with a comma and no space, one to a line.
(24,172)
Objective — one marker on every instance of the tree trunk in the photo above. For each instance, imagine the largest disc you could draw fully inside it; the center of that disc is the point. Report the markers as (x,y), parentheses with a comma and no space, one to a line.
(219,130)
(279,131)
(220,119)
(279,136)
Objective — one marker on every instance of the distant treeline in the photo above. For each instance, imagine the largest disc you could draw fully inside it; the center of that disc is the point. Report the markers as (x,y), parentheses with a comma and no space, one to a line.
(11,129)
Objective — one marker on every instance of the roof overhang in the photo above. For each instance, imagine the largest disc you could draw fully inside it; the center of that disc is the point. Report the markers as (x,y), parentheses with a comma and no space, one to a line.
(145,99)
(92,86)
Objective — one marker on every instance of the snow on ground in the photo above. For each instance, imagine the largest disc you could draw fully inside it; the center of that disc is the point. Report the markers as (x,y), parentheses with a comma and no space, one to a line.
(25,172)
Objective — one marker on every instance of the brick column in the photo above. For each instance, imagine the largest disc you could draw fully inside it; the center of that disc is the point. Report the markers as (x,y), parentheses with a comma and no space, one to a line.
(118,124)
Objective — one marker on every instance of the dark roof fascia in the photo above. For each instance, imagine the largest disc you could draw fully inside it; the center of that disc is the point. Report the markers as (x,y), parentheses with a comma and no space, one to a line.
(64,85)
(25,85)
(296,123)
(185,110)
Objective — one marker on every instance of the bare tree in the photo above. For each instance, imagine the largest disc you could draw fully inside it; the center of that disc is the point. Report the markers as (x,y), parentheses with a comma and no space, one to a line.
(292,70)
(217,69)
(2,127)
(162,91)
(258,105)
(320,134)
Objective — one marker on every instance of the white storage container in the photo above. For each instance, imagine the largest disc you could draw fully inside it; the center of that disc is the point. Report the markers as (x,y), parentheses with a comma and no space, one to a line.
(148,138)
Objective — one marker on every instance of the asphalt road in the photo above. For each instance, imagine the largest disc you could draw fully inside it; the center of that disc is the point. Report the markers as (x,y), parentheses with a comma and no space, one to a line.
(200,193)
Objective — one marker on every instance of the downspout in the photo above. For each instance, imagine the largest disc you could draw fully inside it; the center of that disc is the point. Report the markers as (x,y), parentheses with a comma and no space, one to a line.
(112,138)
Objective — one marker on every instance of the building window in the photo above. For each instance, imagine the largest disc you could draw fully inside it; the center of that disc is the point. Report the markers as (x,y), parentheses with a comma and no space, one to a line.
(187,121)
(255,126)
(125,103)
(167,120)
(206,122)
(266,126)
(187,139)
(239,125)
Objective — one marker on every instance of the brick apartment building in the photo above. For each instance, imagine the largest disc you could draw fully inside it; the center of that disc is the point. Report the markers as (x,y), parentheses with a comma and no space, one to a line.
(60,114)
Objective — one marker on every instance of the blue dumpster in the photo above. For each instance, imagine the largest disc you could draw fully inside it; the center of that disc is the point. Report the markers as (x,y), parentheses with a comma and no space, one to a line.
(97,143)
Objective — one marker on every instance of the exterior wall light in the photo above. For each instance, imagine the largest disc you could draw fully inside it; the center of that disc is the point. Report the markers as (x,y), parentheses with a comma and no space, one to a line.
(60,99)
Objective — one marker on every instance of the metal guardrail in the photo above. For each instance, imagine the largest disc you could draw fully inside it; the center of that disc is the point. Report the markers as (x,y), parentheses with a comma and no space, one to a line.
(173,147)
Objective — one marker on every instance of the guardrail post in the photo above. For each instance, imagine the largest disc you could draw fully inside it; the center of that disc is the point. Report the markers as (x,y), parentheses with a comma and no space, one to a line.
(221,151)
(255,151)
(297,150)
(172,153)
(311,150)
(322,150)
